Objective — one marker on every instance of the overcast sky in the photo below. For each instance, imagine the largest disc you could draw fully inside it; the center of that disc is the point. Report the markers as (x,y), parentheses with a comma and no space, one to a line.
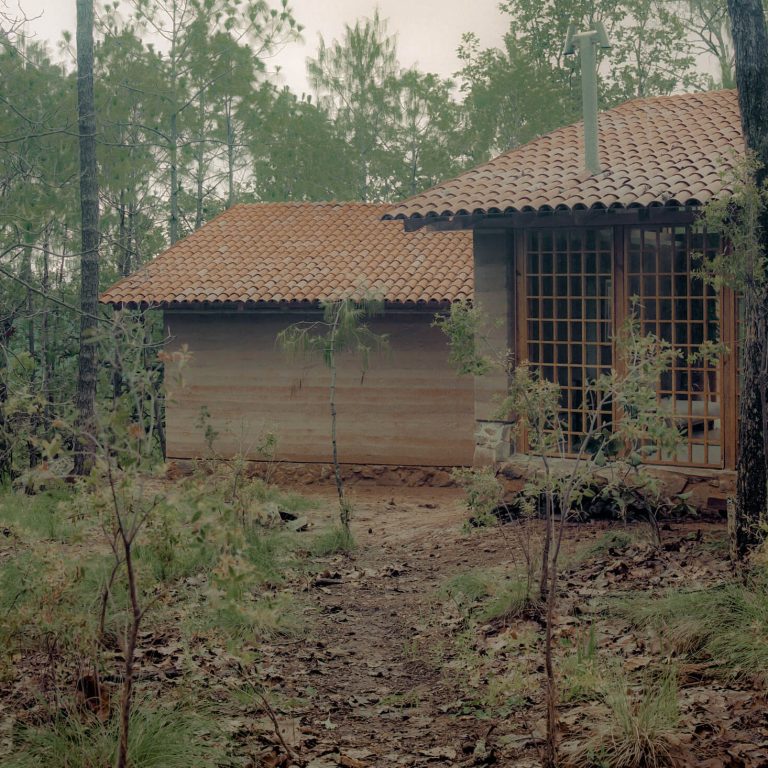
(429,31)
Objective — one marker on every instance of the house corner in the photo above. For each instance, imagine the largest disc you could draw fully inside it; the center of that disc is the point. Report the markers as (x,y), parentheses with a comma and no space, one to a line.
(493,296)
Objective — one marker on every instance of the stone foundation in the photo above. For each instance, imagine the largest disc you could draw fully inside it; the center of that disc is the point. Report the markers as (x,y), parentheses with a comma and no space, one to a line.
(493,442)
(709,488)
(288,473)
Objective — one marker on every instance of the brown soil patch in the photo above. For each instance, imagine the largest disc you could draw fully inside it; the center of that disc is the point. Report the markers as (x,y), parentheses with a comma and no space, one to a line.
(392,675)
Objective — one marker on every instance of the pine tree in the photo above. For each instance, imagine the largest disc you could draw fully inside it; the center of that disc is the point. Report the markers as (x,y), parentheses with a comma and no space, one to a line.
(89,256)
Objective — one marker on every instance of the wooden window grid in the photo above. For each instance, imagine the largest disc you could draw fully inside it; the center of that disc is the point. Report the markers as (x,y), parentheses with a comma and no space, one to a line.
(577,286)
(569,295)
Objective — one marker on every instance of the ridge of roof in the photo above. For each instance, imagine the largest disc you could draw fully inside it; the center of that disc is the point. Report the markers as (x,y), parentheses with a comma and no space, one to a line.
(655,151)
(300,253)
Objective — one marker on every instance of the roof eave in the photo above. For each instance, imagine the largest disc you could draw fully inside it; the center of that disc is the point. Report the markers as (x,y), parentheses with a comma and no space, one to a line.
(448,222)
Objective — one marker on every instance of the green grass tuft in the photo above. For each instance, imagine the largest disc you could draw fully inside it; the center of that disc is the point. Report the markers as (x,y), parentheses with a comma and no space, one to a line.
(639,730)
(609,540)
(334,541)
(488,596)
(49,515)
(250,621)
(582,677)
(726,625)
(508,601)
(467,589)
(158,738)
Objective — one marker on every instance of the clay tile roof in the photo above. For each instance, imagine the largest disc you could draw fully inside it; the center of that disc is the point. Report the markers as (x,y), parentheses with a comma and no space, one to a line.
(302,252)
(655,151)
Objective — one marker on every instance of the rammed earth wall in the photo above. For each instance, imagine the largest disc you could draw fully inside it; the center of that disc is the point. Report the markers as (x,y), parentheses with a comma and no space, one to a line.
(408,408)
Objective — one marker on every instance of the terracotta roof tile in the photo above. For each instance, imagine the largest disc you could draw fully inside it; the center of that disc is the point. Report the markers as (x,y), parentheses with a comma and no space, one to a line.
(302,252)
(666,150)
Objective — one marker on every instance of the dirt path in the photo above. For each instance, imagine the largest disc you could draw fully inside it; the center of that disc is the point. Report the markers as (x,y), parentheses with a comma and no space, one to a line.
(376,678)
(393,674)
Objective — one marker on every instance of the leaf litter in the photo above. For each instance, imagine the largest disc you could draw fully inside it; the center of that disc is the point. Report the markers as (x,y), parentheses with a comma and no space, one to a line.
(390,672)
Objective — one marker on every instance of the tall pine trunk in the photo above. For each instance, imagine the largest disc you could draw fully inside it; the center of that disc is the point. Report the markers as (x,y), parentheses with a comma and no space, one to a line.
(750,41)
(173,230)
(26,274)
(45,352)
(200,161)
(124,268)
(230,155)
(85,398)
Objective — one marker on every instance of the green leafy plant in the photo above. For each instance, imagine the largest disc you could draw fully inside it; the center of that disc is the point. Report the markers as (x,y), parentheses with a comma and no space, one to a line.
(483,493)
(461,326)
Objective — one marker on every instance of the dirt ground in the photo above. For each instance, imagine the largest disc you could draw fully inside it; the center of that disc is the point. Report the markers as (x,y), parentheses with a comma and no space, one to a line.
(381,696)
(393,674)
(392,669)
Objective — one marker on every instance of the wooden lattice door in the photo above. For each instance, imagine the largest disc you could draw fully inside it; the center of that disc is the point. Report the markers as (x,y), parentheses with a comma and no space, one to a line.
(578,285)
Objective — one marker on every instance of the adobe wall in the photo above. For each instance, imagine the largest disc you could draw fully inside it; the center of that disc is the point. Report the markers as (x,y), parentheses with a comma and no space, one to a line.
(494,280)
(409,408)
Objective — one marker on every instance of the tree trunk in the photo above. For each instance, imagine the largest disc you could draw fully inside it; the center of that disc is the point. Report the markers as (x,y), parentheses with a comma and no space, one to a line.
(230,156)
(124,268)
(335,445)
(200,162)
(126,695)
(122,237)
(750,42)
(6,444)
(85,398)
(45,352)
(174,151)
(26,274)
(343,507)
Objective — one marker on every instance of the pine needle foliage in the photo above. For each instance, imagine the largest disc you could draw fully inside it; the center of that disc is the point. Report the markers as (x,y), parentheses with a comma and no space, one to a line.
(341,330)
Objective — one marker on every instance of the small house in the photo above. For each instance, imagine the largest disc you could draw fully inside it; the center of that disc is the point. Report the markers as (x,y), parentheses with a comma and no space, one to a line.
(561,254)
(228,289)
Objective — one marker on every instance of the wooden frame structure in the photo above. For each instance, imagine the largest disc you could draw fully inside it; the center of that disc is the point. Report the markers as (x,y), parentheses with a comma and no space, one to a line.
(572,282)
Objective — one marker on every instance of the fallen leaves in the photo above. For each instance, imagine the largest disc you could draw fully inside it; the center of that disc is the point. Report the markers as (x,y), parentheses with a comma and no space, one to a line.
(390,674)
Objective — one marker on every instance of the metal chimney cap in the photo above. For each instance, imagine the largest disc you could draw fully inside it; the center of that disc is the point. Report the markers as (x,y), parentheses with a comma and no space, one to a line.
(569,48)
(602,35)
(598,35)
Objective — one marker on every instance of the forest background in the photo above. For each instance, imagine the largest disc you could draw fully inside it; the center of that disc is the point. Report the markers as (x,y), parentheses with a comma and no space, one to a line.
(191,118)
